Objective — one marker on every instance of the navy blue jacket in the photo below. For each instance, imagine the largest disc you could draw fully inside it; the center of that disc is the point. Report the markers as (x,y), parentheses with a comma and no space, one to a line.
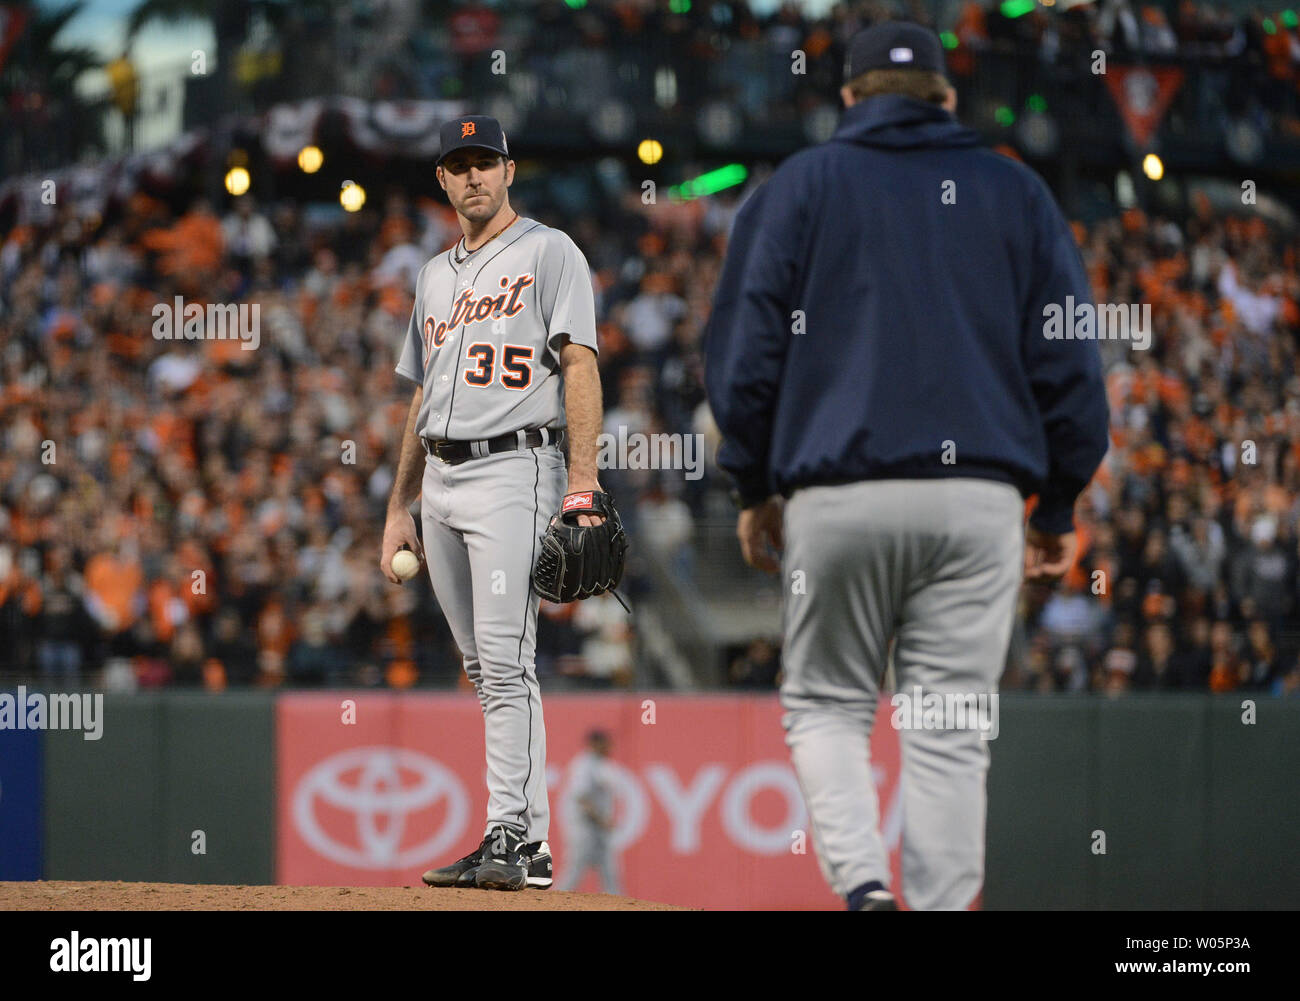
(863,320)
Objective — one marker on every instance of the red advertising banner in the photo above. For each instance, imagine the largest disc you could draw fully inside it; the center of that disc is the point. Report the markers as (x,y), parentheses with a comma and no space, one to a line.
(375,788)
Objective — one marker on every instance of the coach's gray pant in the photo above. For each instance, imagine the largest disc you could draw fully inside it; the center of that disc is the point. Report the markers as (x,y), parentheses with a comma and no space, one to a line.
(934,565)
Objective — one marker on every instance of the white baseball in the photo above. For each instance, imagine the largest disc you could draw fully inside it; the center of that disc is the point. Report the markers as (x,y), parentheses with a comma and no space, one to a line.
(405,564)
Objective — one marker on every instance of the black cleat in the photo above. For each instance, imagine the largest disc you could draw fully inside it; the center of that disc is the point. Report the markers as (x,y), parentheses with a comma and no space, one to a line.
(539,865)
(505,861)
(879,900)
(456,874)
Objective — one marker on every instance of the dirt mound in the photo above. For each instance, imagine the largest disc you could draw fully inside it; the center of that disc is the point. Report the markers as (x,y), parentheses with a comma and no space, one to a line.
(107,896)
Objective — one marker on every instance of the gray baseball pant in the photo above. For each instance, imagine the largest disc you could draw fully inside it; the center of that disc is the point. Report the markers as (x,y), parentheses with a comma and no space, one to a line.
(591,847)
(482,521)
(935,567)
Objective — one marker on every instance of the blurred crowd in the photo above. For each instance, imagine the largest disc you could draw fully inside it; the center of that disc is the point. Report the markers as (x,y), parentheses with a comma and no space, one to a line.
(706,28)
(723,48)
(1189,547)
(194,513)
(1247,62)
(198,513)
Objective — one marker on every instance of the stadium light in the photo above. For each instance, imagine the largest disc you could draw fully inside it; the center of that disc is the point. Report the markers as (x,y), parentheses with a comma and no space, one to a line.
(1153,167)
(710,183)
(1005,116)
(352,196)
(650,151)
(310,159)
(238,181)
(1016,8)
(949,40)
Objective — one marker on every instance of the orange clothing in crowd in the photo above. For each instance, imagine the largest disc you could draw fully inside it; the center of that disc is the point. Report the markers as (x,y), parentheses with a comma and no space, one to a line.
(29,593)
(1223,676)
(194,244)
(274,631)
(971,30)
(161,595)
(117,584)
(1277,54)
(193,557)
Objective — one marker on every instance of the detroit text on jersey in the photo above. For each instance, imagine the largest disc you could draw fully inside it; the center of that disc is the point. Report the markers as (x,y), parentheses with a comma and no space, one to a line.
(467,309)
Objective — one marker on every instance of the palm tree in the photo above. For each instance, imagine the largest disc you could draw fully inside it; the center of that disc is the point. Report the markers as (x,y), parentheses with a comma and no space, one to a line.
(229,18)
(231,21)
(319,31)
(50,123)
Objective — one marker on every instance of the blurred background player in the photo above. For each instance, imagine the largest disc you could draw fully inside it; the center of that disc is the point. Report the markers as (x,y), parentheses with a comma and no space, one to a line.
(589,817)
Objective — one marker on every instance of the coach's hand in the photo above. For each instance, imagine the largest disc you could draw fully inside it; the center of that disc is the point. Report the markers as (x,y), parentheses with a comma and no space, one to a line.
(759,531)
(1048,557)
(399,530)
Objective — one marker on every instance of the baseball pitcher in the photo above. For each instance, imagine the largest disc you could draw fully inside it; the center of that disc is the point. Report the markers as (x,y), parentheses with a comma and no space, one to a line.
(502,350)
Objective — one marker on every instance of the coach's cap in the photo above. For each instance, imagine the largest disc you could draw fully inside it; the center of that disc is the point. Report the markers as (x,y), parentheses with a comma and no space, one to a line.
(482,131)
(894,45)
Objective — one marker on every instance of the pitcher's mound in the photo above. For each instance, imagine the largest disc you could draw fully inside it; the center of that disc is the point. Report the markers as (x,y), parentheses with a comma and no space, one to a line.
(106,896)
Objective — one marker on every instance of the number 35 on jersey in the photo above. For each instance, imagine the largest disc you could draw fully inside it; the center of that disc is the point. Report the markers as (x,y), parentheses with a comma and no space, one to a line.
(510,365)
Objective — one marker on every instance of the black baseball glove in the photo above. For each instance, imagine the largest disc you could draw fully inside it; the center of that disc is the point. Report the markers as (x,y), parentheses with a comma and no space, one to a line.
(578,561)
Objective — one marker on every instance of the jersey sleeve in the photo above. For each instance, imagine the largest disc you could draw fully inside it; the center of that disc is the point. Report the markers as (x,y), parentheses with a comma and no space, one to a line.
(565,295)
(410,361)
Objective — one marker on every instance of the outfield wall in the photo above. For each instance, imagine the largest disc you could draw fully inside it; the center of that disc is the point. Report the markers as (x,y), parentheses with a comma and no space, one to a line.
(1198,809)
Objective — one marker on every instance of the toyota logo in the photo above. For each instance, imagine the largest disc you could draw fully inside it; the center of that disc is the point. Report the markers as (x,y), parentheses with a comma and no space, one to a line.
(378,787)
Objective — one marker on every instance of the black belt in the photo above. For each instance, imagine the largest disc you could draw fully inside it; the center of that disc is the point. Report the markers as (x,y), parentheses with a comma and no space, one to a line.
(455,452)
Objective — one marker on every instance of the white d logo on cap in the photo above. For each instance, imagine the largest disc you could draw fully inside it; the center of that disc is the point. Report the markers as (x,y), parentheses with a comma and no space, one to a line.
(900,55)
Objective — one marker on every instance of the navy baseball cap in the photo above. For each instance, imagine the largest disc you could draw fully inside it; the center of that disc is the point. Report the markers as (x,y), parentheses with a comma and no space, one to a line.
(479,131)
(894,45)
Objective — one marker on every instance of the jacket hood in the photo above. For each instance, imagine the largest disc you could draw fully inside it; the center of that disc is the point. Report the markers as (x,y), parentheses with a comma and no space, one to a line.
(891,121)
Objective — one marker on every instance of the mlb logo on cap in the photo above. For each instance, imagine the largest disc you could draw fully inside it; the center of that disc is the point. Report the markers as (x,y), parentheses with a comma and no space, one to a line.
(480,131)
(892,45)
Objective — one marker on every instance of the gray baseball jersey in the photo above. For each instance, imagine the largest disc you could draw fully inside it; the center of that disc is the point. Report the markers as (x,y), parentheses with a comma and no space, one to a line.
(484,336)
(484,342)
